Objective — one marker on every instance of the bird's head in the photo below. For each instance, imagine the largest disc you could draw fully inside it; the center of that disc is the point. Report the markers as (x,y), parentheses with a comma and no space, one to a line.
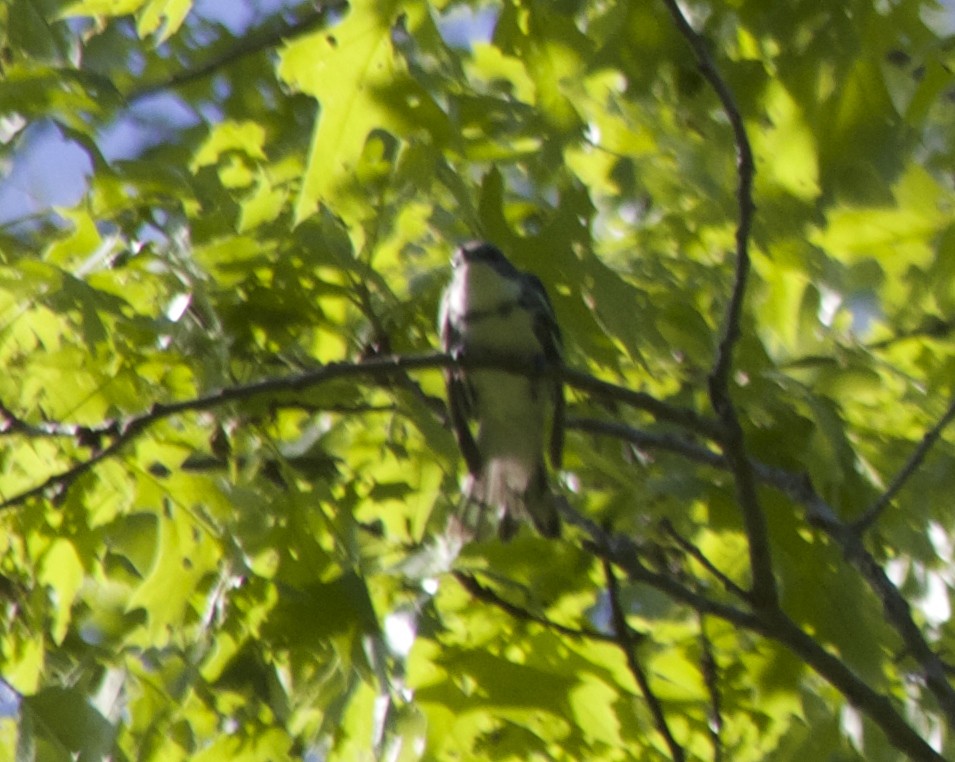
(483,253)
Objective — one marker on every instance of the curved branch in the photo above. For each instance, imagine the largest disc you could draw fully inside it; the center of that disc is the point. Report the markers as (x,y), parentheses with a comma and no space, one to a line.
(820,514)
(121,432)
(773,624)
(254,41)
(624,638)
(719,379)
(911,466)
(486,594)
(764,590)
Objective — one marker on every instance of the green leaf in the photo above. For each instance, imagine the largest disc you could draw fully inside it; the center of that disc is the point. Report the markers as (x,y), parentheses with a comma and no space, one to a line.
(65,726)
(163,15)
(102,7)
(170,592)
(62,569)
(245,137)
(786,153)
(361,85)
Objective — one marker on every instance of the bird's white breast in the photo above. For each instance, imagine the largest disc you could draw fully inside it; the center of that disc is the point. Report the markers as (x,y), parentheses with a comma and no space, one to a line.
(488,312)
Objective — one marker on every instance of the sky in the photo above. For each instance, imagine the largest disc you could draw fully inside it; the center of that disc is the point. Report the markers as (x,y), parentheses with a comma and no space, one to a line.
(49,170)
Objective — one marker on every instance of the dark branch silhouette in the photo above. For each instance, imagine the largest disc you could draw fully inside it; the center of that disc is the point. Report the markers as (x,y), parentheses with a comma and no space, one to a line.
(772,623)
(693,551)
(118,433)
(711,678)
(252,42)
(820,514)
(626,641)
(469,582)
(932,436)
(732,441)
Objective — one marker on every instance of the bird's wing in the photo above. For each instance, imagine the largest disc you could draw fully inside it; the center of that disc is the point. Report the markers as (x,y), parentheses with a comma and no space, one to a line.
(534,298)
(460,395)
(459,404)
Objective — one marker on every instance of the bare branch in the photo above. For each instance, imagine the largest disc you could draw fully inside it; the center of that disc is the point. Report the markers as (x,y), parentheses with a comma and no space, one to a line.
(732,441)
(799,489)
(696,553)
(87,436)
(896,607)
(897,612)
(254,41)
(650,440)
(625,639)
(744,199)
(772,623)
(389,368)
(486,594)
(911,466)
(932,328)
(711,678)
(684,417)
(128,429)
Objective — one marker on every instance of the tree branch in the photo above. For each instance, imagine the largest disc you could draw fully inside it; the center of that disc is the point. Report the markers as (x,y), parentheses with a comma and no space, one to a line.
(773,624)
(897,610)
(486,594)
(744,198)
(873,513)
(624,638)
(649,440)
(799,489)
(691,549)
(932,328)
(254,41)
(683,417)
(732,441)
(121,432)
(711,678)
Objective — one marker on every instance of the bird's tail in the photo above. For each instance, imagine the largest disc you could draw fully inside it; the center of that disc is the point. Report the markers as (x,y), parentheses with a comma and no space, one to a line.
(516,493)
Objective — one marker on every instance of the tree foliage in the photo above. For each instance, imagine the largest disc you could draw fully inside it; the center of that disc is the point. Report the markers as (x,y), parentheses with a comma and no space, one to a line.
(226,465)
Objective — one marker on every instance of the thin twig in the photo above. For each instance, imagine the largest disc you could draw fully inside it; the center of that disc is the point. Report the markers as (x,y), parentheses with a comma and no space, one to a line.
(663,411)
(625,640)
(13,424)
(711,678)
(873,513)
(649,440)
(253,42)
(932,328)
(486,594)
(696,553)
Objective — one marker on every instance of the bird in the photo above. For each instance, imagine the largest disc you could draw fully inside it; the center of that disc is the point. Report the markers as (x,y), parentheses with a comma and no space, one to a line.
(492,309)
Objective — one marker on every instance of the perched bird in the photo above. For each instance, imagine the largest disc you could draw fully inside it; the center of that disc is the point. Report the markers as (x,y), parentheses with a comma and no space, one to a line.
(492,309)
